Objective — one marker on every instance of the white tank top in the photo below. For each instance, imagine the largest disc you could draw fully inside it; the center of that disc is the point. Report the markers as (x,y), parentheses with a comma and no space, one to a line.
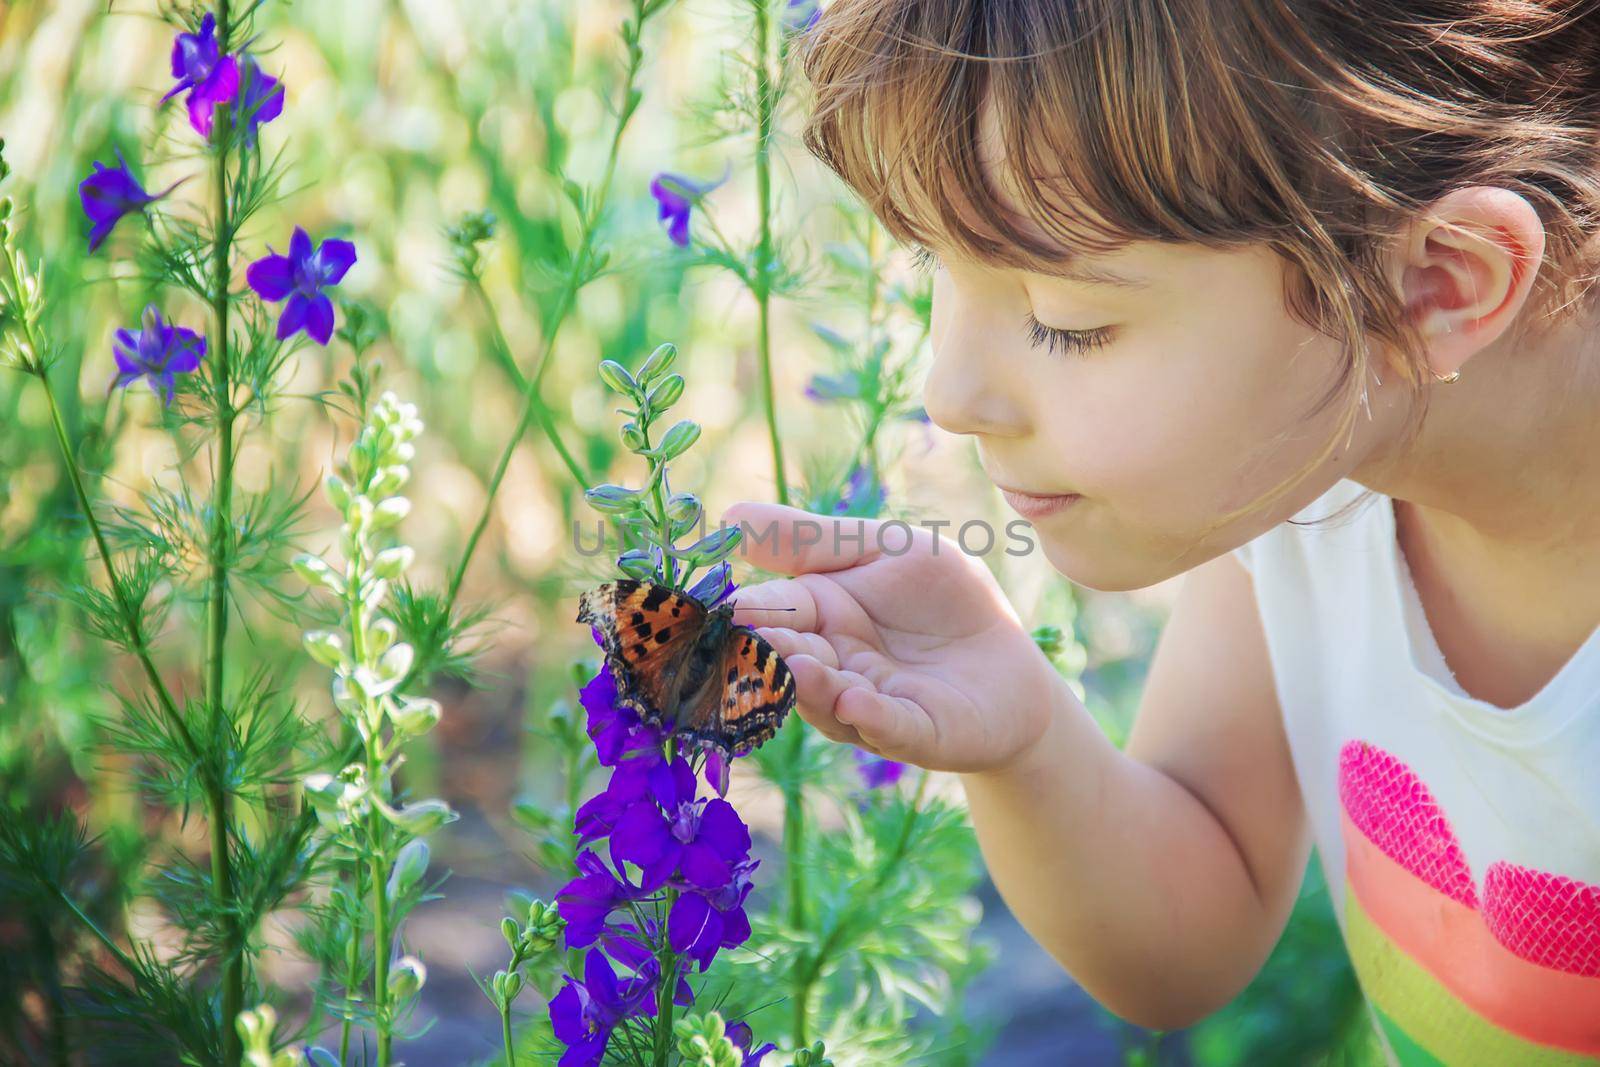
(1460,840)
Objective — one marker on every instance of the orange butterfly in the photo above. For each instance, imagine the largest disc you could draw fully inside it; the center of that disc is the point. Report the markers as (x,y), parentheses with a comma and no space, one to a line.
(689,669)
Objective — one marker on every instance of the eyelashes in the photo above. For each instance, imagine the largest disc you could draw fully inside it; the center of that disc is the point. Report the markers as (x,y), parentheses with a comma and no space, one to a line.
(1056,341)
(1067,342)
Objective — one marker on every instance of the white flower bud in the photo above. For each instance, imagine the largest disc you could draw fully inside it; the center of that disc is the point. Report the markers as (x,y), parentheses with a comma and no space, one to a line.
(326,647)
(416,717)
(423,817)
(392,562)
(338,492)
(388,481)
(390,512)
(395,664)
(317,572)
(407,977)
(409,867)
(381,634)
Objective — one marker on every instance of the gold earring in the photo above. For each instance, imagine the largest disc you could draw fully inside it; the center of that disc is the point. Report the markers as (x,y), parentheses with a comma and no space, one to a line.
(1446,379)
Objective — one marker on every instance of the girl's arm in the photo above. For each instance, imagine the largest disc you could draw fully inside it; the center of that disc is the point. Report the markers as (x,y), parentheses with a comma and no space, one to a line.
(1162,876)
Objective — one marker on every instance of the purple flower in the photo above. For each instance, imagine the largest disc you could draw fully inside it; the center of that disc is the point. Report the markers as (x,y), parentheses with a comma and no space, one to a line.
(702,923)
(863,494)
(623,943)
(697,840)
(714,585)
(617,731)
(110,193)
(742,1037)
(584,1013)
(800,15)
(825,387)
(876,771)
(156,353)
(260,100)
(587,900)
(200,67)
(676,196)
(630,784)
(301,276)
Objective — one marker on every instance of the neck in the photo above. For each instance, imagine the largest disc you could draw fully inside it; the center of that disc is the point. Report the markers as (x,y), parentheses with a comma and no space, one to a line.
(1508,459)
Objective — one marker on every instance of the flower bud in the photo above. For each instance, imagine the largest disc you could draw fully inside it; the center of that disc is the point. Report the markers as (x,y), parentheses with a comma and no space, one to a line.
(407,977)
(317,572)
(632,437)
(391,511)
(388,481)
(327,648)
(664,395)
(381,634)
(507,986)
(677,440)
(395,664)
(338,492)
(544,929)
(637,564)
(617,378)
(613,499)
(658,362)
(423,817)
(392,562)
(408,869)
(416,717)
(510,931)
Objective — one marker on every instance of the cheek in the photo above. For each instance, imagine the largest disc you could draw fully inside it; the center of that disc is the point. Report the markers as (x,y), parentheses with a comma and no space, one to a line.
(1192,415)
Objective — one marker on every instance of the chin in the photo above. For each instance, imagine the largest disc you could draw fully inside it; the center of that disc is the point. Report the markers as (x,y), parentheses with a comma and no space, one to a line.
(1107,572)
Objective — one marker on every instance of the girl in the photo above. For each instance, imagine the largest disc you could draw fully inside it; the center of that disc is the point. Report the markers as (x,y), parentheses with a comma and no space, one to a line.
(1203,268)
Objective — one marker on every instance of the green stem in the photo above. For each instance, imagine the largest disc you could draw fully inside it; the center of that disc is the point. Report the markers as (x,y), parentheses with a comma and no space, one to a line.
(765,106)
(664,994)
(502,351)
(218,799)
(505,1034)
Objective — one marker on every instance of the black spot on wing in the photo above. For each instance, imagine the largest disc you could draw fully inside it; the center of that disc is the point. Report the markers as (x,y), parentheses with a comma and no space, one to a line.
(657,596)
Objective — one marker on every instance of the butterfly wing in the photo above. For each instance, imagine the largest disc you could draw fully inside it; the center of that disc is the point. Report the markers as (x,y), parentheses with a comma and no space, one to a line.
(753,691)
(647,630)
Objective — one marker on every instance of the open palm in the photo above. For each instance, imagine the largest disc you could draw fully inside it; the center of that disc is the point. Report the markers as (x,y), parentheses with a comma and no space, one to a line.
(903,645)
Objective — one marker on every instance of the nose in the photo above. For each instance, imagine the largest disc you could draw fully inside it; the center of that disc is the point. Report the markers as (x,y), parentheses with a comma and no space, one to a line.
(968,391)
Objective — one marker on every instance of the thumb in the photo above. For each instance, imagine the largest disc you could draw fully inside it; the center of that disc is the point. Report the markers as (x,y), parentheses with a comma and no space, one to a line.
(789,540)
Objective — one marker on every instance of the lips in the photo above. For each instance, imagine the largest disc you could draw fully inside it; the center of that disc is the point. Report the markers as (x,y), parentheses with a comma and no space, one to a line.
(1037,505)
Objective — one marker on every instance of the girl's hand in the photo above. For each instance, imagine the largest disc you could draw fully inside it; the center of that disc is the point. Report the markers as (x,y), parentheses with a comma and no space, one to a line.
(901,643)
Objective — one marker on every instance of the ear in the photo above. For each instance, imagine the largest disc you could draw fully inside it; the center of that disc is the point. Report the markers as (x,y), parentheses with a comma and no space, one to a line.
(1465,267)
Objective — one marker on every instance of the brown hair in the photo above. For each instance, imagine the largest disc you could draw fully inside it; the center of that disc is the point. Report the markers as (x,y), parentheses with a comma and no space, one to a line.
(1313,126)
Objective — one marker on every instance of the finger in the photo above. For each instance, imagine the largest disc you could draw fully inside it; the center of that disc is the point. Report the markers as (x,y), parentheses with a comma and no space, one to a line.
(781,602)
(815,693)
(787,642)
(791,541)
(891,725)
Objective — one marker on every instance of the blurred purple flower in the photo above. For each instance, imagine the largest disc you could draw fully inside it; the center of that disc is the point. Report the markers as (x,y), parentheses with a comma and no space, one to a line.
(200,67)
(675,835)
(743,1037)
(156,353)
(260,99)
(702,923)
(863,494)
(584,1013)
(110,193)
(800,15)
(675,198)
(301,276)
(826,387)
(876,771)
(616,731)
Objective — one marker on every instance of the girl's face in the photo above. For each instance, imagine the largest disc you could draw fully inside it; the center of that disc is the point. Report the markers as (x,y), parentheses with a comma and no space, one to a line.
(1167,400)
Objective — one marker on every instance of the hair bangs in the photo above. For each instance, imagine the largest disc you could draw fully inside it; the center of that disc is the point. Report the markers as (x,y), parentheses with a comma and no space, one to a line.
(943,119)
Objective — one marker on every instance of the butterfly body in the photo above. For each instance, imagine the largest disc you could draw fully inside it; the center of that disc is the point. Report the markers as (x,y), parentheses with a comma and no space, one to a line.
(689,669)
